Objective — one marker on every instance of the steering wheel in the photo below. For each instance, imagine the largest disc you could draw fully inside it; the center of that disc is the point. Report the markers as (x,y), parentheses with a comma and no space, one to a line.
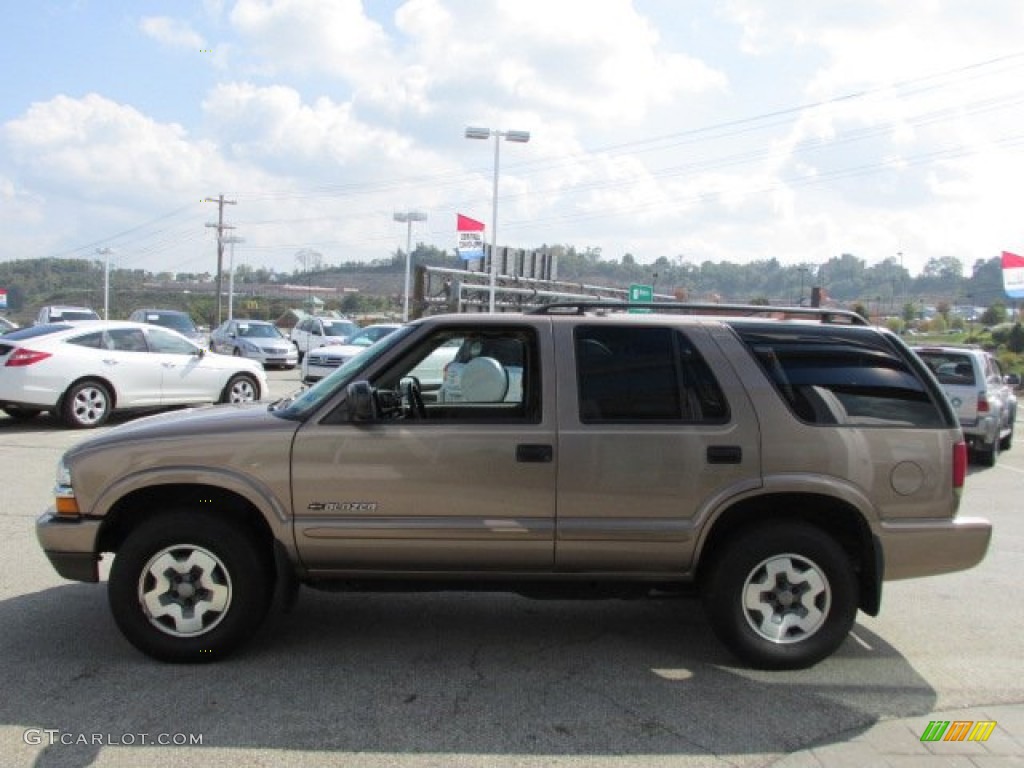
(413,391)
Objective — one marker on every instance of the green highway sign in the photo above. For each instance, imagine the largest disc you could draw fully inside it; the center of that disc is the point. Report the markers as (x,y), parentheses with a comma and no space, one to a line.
(640,293)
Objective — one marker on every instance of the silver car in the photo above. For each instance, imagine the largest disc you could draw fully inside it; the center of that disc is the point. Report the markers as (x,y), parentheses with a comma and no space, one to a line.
(985,404)
(256,339)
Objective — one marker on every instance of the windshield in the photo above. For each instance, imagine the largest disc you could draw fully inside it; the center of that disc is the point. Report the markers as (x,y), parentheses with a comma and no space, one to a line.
(76,314)
(339,329)
(258,331)
(180,323)
(302,404)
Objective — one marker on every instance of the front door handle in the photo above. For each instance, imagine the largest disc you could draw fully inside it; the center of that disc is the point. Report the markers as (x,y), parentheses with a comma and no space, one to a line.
(540,453)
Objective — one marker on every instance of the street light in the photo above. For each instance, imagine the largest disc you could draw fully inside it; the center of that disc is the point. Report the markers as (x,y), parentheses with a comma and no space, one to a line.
(105,252)
(520,137)
(231,240)
(408,217)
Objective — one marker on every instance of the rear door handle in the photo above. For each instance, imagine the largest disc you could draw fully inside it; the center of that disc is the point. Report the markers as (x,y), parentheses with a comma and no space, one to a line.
(540,453)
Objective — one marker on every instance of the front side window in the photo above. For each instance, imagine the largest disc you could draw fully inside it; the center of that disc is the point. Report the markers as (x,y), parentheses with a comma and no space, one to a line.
(167,343)
(632,374)
(458,375)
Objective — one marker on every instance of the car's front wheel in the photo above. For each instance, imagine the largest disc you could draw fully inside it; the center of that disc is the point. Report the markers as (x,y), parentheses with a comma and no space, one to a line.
(186,587)
(86,404)
(782,596)
(241,388)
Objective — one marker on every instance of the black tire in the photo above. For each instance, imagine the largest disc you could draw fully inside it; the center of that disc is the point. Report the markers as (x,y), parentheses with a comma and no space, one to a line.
(241,388)
(988,456)
(807,583)
(186,587)
(21,413)
(86,404)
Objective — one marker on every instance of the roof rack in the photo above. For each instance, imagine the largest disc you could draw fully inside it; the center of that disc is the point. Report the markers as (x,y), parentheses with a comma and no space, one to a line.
(835,316)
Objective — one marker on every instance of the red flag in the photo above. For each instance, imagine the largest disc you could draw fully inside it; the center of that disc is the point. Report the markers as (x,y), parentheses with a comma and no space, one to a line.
(466,224)
(1012,260)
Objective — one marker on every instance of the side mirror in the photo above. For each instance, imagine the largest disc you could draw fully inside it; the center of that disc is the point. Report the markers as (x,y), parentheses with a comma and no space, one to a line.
(361,405)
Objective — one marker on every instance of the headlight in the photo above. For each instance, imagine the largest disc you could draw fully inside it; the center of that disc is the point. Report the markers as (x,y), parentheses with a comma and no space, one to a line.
(66,503)
(63,475)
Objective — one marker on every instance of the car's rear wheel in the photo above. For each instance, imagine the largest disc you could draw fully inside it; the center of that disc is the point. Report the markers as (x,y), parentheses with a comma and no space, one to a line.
(86,404)
(241,388)
(781,596)
(1007,442)
(988,456)
(186,587)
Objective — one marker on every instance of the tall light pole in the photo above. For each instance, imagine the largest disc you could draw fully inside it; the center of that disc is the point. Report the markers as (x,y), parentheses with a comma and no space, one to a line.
(520,137)
(231,240)
(105,253)
(408,217)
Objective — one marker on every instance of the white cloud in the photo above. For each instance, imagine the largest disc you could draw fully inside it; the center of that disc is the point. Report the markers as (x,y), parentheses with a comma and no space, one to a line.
(172,32)
(104,150)
(306,36)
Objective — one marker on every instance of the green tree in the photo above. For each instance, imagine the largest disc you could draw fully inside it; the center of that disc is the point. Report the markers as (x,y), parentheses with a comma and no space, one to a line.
(1015,341)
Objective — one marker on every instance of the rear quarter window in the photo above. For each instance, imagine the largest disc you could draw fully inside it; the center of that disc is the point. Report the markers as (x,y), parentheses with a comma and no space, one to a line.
(843,377)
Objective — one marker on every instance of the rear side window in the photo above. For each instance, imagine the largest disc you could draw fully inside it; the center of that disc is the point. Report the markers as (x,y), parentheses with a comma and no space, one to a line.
(842,376)
(631,374)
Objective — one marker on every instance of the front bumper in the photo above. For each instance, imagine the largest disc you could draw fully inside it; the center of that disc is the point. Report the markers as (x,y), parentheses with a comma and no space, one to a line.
(70,545)
(932,547)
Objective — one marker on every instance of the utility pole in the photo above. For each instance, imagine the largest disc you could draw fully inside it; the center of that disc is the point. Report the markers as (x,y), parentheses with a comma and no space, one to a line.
(220,226)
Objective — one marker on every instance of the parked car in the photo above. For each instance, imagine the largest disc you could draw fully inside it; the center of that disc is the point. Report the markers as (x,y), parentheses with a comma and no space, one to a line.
(64,314)
(985,404)
(321,361)
(82,372)
(315,331)
(781,468)
(256,339)
(174,319)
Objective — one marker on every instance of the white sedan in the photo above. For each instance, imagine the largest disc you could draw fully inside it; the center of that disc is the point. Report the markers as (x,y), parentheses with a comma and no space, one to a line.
(83,372)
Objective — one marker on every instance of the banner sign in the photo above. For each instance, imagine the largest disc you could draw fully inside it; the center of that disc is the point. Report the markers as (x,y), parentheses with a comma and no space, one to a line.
(471,238)
(3,298)
(1013,275)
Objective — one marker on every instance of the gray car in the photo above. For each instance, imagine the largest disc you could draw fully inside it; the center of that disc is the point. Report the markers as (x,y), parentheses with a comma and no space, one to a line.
(256,339)
(781,468)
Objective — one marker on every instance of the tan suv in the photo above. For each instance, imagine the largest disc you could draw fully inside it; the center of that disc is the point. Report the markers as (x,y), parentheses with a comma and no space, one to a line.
(782,467)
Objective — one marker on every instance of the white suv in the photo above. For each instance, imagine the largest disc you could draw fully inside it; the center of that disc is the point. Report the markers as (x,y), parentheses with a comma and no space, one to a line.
(985,404)
(64,314)
(313,332)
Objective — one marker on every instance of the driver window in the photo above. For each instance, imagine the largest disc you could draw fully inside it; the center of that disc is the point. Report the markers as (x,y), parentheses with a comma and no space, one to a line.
(479,375)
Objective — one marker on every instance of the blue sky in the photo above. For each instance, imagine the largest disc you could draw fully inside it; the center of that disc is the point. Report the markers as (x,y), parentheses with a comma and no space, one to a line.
(735,130)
